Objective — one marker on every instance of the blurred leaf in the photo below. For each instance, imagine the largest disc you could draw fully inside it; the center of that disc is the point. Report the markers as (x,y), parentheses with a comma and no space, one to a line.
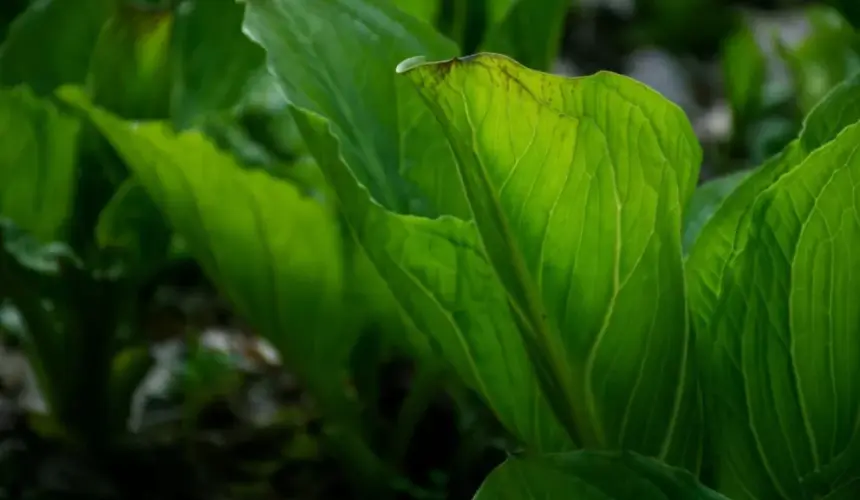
(133,224)
(128,369)
(207,375)
(681,26)
(51,42)
(275,253)
(425,10)
(390,141)
(744,67)
(529,31)
(848,8)
(215,61)
(825,57)
(706,200)
(38,163)
(71,315)
(591,475)
(130,68)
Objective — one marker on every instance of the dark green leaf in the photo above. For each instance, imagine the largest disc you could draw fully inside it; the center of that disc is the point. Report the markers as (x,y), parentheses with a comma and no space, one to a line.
(591,475)
(529,31)
(50,44)
(132,224)
(214,59)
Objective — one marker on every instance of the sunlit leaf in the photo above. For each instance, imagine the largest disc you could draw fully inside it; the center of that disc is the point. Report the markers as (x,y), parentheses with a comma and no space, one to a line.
(577,188)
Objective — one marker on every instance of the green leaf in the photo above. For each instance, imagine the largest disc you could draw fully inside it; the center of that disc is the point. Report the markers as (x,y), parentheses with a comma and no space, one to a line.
(215,61)
(784,332)
(390,140)
(275,253)
(725,231)
(528,31)
(38,163)
(51,42)
(706,200)
(130,69)
(425,10)
(578,188)
(442,283)
(837,110)
(132,224)
(587,475)
(744,66)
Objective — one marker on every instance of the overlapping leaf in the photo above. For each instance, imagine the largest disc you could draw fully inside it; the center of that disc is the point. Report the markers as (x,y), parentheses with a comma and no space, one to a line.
(706,200)
(275,252)
(444,285)
(725,231)
(577,188)
(335,57)
(784,331)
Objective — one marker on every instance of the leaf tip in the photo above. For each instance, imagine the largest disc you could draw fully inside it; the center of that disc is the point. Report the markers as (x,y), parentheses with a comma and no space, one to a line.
(411,63)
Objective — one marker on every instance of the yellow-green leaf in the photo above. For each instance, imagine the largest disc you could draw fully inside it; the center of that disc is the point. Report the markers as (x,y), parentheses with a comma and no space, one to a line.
(577,188)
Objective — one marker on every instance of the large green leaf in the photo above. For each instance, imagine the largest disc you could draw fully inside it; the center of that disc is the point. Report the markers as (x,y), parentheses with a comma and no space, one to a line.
(725,231)
(442,282)
(528,31)
(591,475)
(274,252)
(337,58)
(38,163)
(578,188)
(51,42)
(784,334)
